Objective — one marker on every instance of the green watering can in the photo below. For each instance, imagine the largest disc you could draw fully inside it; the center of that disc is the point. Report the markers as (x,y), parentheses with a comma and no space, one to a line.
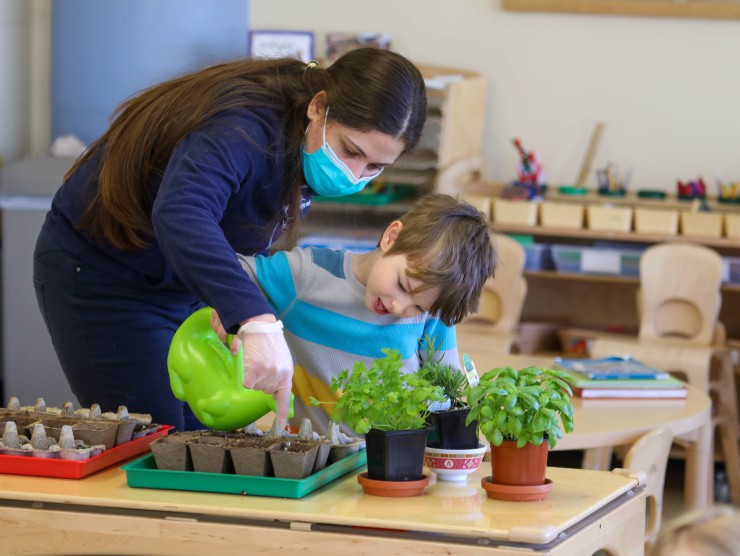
(205,375)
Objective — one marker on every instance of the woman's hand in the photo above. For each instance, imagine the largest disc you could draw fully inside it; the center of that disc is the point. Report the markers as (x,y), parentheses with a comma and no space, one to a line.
(218,328)
(268,365)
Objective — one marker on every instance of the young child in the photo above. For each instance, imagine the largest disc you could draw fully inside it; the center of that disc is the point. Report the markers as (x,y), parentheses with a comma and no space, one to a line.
(340,307)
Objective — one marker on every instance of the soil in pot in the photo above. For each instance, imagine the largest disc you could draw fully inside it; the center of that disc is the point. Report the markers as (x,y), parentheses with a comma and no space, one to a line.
(210,454)
(171,452)
(293,459)
(250,456)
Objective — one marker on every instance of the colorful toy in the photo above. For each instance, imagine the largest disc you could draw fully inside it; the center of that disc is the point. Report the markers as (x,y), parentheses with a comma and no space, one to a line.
(728,191)
(205,374)
(530,167)
(691,190)
(531,176)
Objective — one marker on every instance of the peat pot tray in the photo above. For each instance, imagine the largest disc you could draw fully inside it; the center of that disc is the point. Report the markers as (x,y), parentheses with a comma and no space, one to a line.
(143,473)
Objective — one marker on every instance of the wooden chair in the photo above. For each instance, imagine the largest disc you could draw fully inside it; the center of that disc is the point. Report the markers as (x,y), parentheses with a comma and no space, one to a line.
(679,296)
(493,327)
(679,302)
(650,455)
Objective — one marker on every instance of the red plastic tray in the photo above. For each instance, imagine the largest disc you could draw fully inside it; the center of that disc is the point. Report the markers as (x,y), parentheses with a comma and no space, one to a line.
(68,469)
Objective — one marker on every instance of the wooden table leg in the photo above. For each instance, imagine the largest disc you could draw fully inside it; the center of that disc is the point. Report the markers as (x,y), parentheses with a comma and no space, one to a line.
(598,458)
(698,476)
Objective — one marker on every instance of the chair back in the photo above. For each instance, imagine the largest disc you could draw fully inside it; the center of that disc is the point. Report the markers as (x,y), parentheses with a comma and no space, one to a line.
(650,455)
(679,296)
(503,297)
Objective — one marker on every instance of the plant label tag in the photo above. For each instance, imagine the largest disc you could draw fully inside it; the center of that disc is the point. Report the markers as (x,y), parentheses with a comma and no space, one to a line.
(470,373)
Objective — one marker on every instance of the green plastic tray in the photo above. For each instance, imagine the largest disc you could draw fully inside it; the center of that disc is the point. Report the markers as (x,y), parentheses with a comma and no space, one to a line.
(143,473)
(572,190)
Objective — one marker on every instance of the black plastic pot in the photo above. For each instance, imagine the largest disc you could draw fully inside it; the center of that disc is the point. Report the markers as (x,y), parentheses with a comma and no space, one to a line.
(395,455)
(447,429)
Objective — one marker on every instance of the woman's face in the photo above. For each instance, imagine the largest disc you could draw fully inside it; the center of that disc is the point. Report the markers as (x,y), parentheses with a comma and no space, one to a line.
(364,152)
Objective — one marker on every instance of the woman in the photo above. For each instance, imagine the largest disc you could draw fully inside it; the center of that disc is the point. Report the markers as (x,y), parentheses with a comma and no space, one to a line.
(146,227)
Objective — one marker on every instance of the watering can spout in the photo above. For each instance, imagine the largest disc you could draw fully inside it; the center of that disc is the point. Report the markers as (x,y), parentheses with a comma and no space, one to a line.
(205,375)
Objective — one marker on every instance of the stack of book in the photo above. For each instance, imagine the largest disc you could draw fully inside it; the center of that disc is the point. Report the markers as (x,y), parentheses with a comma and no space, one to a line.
(619,378)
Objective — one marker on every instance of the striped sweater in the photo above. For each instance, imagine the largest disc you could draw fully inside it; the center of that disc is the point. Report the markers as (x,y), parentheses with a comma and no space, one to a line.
(327,326)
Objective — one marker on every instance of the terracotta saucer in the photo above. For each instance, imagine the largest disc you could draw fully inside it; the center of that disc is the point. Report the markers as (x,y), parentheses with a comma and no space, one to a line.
(516,493)
(394,489)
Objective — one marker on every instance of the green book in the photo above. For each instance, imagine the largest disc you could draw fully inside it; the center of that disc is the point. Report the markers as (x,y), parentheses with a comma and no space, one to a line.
(669,387)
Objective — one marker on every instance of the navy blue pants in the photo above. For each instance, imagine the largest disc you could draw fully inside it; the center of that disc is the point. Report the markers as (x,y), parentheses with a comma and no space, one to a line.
(111,337)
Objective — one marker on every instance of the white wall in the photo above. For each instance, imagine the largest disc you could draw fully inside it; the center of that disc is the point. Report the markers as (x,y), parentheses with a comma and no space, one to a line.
(667,89)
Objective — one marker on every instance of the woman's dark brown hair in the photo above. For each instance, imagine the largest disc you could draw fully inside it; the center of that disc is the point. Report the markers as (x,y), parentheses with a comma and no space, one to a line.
(367,89)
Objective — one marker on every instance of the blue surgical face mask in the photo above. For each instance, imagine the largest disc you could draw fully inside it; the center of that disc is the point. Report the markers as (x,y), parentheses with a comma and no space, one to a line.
(327,175)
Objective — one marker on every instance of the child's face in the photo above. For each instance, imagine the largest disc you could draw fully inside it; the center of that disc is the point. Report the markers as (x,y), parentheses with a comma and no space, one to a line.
(388,289)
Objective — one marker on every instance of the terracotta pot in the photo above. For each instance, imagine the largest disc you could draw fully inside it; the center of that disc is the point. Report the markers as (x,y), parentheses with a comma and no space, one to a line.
(519,466)
(393,489)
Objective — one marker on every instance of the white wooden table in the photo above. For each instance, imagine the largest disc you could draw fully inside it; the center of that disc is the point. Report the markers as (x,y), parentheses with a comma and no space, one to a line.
(585,511)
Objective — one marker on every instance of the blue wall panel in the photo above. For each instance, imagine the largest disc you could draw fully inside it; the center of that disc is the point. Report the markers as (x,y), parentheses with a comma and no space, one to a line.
(103,51)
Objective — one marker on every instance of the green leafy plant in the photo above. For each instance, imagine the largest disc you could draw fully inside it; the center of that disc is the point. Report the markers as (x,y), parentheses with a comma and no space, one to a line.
(450,379)
(381,396)
(526,405)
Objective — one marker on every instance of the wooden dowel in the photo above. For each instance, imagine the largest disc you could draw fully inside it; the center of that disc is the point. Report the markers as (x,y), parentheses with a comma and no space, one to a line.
(593,146)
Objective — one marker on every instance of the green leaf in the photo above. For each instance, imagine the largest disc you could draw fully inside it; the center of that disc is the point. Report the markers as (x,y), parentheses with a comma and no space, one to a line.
(526,405)
(510,401)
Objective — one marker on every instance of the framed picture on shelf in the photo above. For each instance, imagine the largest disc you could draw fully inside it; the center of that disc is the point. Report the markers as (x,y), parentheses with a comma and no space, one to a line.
(340,43)
(281,44)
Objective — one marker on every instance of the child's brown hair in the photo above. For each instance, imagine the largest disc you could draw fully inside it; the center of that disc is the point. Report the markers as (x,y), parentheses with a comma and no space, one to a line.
(448,244)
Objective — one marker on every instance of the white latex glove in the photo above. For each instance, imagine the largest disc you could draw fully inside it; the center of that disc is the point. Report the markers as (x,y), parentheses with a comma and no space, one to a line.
(268,365)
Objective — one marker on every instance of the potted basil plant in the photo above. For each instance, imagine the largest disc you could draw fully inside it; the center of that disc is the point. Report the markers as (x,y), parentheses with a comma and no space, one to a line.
(522,414)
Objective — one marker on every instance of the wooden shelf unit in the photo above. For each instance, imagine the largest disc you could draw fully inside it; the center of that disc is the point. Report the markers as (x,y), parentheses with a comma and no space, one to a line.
(600,301)
(453,130)
(722,244)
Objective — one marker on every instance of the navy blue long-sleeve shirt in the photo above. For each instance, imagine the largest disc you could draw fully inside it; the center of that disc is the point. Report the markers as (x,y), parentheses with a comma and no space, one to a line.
(219,194)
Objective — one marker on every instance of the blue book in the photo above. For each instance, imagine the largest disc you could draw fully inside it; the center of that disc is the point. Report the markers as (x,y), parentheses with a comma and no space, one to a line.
(611,368)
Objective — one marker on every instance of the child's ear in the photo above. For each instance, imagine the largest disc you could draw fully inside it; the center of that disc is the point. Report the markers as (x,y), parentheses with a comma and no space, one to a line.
(390,235)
